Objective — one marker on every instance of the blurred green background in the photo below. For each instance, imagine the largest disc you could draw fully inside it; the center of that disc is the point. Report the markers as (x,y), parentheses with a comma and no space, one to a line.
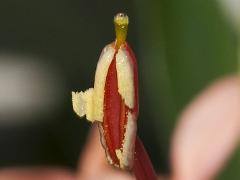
(49,48)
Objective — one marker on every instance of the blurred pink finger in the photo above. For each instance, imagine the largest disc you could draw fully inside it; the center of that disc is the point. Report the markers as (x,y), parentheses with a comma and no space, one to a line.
(208,132)
(35,174)
(93,157)
(93,164)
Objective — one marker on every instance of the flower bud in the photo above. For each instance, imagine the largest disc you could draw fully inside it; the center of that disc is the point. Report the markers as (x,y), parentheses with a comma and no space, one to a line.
(113,102)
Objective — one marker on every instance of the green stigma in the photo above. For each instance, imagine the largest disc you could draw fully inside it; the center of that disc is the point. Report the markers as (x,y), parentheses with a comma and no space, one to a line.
(121,26)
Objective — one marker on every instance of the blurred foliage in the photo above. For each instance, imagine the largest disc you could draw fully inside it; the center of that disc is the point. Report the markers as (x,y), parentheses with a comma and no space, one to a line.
(231,170)
(184,45)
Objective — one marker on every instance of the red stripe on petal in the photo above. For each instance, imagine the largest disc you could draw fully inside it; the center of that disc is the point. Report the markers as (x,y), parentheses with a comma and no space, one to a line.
(115,110)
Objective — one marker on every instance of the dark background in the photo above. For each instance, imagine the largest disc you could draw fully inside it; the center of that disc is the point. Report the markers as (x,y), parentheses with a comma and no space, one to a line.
(65,37)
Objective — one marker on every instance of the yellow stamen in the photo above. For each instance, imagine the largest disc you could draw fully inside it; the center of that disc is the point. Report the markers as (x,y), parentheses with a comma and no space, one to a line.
(121,27)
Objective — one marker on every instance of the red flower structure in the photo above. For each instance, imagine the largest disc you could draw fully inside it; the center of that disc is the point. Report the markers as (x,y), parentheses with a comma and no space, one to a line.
(113,103)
